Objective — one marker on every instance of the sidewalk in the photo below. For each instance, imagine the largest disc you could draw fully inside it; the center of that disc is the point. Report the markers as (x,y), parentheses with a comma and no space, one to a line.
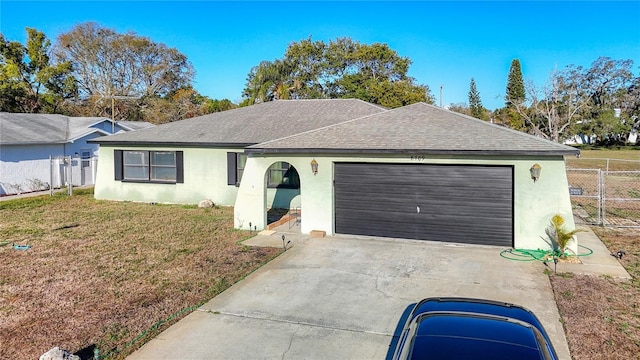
(274,238)
(40,193)
(600,263)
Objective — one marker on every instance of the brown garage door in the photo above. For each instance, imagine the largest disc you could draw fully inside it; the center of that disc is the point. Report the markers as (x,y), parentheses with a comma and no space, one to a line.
(453,203)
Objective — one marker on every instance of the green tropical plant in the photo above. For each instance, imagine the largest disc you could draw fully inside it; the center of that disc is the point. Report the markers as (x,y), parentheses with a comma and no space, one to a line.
(559,237)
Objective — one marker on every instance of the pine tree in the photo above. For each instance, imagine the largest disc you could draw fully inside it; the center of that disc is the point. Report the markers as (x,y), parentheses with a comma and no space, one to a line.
(475,104)
(515,85)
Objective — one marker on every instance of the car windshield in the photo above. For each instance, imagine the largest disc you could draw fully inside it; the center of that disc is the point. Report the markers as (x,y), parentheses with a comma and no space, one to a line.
(465,336)
(485,307)
(438,347)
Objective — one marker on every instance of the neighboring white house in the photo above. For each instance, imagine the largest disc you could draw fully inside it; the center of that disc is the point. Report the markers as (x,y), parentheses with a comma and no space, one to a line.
(353,168)
(584,139)
(33,148)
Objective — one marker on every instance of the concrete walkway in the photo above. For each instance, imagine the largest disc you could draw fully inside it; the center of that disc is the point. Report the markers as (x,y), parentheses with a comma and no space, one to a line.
(41,193)
(600,263)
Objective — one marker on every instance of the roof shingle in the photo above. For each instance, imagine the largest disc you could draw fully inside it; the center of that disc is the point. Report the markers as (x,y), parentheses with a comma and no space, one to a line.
(250,125)
(24,128)
(419,128)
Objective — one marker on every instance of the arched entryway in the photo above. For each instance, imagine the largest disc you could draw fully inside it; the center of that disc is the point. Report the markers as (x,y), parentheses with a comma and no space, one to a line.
(282,192)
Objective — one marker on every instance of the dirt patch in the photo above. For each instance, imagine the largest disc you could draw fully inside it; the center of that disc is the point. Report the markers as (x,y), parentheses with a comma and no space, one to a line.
(601,315)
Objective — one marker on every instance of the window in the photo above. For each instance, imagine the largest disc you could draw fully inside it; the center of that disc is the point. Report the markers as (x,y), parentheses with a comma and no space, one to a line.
(279,175)
(136,165)
(242,160)
(149,166)
(85,155)
(282,175)
(163,166)
(235,167)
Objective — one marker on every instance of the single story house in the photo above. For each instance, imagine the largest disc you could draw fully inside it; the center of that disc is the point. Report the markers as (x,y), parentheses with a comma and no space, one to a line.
(33,148)
(352,168)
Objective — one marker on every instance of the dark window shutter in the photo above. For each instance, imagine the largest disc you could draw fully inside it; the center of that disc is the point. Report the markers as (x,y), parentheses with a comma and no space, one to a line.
(117,164)
(232,168)
(179,167)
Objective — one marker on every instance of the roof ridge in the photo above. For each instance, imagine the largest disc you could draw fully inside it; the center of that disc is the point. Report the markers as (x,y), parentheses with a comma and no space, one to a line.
(381,132)
(326,99)
(326,127)
(502,128)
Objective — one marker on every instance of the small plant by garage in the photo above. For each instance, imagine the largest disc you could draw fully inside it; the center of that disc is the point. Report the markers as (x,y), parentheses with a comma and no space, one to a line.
(558,236)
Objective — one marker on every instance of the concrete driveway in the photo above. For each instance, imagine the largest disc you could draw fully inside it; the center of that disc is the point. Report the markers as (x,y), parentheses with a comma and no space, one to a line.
(344,297)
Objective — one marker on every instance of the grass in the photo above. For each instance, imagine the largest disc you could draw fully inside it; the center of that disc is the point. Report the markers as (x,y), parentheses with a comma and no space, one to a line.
(620,160)
(103,274)
(601,315)
(109,274)
(621,190)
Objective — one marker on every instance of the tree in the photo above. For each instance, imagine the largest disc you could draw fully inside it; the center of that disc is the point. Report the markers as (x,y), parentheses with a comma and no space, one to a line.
(510,117)
(631,100)
(460,108)
(515,85)
(553,109)
(341,69)
(610,129)
(29,81)
(306,67)
(578,101)
(475,104)
(181,104)
(213,105)
(606,80)
(606,85)
(270,81)
(393,94)
(108,64)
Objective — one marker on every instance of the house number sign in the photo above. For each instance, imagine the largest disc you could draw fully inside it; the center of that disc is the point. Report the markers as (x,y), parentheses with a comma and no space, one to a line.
(418,158)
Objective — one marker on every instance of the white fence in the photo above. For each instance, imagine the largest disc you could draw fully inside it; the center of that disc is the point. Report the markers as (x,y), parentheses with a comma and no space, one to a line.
(76,171)
(48,174)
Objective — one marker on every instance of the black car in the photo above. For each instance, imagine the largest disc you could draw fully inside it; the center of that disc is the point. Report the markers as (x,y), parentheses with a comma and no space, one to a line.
(465,328)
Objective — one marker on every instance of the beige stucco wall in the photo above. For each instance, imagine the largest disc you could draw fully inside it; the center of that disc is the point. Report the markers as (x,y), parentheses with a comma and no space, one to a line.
(534,202)
(205,177)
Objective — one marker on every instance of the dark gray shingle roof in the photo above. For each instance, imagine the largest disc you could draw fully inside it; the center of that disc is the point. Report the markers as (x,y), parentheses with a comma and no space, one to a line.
(135,125)
(33,128)
(19,128)
(250,125)
(418,128)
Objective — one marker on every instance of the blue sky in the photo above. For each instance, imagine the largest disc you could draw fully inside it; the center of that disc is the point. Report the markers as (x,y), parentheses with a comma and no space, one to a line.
(448,42)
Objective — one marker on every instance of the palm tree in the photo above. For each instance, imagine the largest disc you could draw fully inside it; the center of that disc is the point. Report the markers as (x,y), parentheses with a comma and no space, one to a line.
(559,236)
(271,81)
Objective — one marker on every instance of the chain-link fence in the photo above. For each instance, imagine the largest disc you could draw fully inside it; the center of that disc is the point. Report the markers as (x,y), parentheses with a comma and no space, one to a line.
(584,188)
(609,198)
(621,198)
